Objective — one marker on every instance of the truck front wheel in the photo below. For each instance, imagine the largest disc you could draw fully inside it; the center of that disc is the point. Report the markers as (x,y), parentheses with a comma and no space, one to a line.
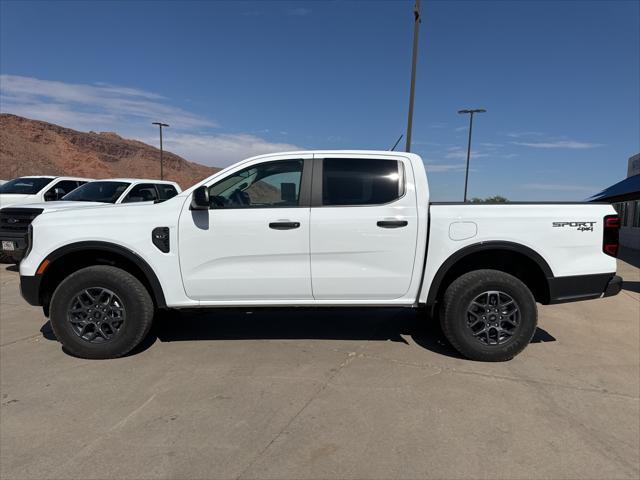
(488,315)
(101,312)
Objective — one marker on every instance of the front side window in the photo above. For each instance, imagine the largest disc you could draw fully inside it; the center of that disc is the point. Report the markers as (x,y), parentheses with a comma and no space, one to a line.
(25,185)
(266,185)
(355,181)
(144,192)
(104,192)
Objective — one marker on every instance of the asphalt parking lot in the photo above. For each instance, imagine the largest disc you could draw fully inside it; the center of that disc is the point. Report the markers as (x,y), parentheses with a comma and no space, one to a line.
(322,394)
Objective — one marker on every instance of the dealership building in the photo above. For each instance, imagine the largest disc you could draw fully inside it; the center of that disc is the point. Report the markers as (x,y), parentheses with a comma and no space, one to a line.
(625,197)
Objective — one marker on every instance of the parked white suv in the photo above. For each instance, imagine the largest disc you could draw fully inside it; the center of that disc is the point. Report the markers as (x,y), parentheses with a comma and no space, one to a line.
(15,220)
(322,229)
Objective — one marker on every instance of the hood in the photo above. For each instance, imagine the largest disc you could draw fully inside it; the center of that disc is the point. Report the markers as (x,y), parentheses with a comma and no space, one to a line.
(62,205)
(8,199)
(101,215)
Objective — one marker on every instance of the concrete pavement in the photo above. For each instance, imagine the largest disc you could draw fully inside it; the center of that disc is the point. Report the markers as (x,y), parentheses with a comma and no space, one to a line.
(319,394)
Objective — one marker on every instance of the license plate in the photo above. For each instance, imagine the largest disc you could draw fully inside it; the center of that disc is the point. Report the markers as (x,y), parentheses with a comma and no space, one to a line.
(8,246)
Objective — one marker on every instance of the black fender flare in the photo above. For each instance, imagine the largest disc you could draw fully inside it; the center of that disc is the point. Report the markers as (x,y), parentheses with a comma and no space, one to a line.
(479,247)
(147,271)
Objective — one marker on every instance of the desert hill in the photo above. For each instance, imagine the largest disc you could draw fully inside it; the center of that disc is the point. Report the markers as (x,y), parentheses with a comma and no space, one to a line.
(32,147)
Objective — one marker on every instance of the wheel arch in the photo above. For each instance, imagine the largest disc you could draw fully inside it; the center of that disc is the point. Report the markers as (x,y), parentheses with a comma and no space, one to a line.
(514,258)
(70,258)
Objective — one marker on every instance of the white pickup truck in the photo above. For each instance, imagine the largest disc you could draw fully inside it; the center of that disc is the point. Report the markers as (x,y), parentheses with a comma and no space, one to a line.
(37,188)
(15,219)
(320,229)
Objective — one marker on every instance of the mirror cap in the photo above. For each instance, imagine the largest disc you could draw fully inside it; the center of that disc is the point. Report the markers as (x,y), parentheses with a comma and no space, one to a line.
(200,199)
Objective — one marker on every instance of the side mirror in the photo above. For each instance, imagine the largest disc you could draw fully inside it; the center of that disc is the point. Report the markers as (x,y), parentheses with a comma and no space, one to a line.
(200,199)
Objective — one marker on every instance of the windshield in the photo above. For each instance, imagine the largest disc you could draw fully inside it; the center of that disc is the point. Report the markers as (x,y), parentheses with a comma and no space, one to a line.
(105,192)
(25,185)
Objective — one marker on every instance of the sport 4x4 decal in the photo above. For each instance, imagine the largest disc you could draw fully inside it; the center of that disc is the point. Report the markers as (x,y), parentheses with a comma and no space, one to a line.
(580,226)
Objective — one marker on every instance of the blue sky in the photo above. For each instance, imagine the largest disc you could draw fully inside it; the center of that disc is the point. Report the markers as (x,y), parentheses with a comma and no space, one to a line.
(560,81)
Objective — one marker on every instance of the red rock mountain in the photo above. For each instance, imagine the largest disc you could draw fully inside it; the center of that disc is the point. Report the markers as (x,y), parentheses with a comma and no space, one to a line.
(32,147)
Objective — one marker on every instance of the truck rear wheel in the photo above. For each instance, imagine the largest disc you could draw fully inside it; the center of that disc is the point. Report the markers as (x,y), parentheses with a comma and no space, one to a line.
(489,315)
(101,312)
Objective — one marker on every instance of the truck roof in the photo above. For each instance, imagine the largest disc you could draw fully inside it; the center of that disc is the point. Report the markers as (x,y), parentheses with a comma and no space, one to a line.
(136,180)
(351,153)
(131,180)
(52,177)
(338,152)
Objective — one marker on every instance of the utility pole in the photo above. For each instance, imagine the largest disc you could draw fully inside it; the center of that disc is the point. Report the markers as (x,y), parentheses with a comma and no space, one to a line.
(416,28)
(161,162)
(470,112)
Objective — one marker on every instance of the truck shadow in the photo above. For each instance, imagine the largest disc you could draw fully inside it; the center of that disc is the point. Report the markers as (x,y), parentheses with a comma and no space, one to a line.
(375,324)
(630,255)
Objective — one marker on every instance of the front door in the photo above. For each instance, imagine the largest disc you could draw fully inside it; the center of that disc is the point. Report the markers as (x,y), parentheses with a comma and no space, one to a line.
(364,227)
(253,243)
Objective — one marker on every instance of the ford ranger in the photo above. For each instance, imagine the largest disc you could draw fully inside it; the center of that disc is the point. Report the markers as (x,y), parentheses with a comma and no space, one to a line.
(318,229)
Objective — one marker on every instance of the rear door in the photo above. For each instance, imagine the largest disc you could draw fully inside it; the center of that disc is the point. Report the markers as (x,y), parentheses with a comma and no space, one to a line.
(364,227)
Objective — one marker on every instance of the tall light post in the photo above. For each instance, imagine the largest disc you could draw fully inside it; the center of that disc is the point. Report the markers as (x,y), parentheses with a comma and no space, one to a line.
(414,60)
(470,112)
(161,164)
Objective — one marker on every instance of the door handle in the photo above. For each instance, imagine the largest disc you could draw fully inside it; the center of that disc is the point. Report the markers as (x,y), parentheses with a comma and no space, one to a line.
(284,225)
(392,223)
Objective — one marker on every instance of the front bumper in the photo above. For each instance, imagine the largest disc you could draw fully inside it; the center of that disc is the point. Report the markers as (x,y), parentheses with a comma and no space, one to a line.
(19,246)
(583,287)
(30,289)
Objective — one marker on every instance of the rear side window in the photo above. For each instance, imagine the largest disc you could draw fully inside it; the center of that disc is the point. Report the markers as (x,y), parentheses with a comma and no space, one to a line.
(354,181)
(67,186)
(166,191)
(60,189)
(145,192)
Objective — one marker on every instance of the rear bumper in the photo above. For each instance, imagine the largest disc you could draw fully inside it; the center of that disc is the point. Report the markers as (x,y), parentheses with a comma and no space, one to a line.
(583,287)
(30,289)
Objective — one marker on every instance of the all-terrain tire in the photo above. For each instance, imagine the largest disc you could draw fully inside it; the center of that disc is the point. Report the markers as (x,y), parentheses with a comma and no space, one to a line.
(455,318)
(133,300)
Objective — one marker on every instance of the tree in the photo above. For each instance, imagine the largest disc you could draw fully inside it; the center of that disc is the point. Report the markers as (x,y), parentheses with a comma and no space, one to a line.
(494,199)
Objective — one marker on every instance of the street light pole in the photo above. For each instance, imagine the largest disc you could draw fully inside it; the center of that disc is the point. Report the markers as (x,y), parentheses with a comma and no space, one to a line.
(416,28)
(470,112)
(161,162)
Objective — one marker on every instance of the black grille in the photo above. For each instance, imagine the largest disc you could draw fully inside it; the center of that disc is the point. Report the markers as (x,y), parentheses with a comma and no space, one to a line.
(16,220)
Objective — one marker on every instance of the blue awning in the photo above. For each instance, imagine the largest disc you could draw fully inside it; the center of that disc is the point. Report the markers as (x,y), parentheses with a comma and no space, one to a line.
(627,189)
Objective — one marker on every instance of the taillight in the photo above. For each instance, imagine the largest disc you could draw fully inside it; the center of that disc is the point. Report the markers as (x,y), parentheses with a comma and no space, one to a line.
(610,235)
